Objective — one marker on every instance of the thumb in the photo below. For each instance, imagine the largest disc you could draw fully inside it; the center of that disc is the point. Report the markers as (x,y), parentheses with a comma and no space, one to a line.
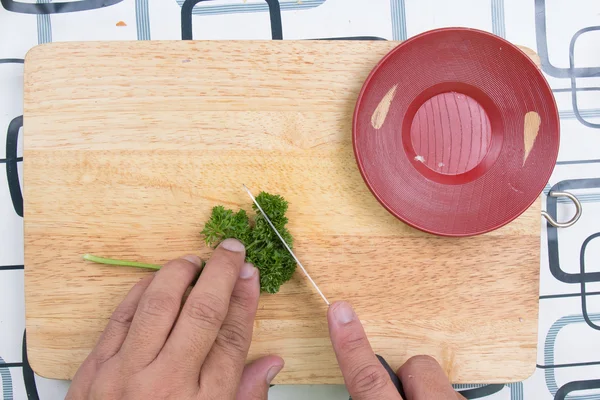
(257,378)
(365,376)
(423,378)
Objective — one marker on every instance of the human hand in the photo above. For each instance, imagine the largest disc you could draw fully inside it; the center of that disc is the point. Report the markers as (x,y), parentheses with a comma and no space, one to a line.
(366,379)
(153,348)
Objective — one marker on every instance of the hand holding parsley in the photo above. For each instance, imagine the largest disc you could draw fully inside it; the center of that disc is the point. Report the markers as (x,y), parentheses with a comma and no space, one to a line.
(263,247)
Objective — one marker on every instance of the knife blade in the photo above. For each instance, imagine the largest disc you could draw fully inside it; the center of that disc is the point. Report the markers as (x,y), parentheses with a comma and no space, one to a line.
(286,245)
(384,363)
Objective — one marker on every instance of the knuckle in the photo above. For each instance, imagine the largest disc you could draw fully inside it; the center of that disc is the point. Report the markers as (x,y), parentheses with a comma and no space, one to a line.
(158,304)
(353,341)
(367,379)
(244,299)
(100,357)
(233,339)
(123,315)
(207,310)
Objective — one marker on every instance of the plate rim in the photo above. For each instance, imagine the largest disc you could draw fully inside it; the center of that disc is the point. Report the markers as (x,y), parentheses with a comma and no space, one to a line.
(373,72)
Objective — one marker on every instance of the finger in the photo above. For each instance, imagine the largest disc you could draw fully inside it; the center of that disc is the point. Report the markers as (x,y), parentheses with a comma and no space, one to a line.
(116,330)
(109,342)
(225,362)
(257,378)
(364,375)
(204,311)
(157,312)
(423,378)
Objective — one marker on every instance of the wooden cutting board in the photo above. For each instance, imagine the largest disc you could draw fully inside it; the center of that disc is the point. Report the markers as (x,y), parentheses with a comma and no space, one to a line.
(128,146)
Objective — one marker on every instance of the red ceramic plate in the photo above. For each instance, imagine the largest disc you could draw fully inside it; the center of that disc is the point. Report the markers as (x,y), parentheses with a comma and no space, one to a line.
(456,132)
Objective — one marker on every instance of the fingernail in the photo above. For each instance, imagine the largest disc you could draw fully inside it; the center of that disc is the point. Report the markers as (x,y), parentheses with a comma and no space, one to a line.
(197,261)
(247,271)
(232,245)
(272,372)
(343,313)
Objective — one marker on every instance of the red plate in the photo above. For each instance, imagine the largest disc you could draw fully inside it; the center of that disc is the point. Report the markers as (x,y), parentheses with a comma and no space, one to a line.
(456,132)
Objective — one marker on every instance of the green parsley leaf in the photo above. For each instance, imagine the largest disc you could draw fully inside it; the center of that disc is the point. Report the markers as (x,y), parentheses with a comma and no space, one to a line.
(263,247)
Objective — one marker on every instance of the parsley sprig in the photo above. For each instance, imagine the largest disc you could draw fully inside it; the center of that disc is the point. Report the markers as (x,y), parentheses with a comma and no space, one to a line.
(263,247)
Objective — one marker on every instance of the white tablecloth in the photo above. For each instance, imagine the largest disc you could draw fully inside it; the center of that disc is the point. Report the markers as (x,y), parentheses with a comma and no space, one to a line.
(566,35)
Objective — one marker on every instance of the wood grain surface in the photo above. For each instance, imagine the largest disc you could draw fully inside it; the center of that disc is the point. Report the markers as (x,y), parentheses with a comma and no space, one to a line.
(128,146)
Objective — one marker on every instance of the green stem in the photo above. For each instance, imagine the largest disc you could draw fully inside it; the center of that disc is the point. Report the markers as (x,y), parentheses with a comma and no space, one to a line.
(123,263)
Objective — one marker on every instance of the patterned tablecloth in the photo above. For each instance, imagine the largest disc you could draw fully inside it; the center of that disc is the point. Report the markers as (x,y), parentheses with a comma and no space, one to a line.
(566,35)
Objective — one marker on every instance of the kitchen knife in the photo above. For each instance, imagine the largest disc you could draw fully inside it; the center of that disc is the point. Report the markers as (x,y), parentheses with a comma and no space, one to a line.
(386,366)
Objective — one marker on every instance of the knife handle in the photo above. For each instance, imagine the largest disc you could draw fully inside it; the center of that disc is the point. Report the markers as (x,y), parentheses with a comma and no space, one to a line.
(393,376)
